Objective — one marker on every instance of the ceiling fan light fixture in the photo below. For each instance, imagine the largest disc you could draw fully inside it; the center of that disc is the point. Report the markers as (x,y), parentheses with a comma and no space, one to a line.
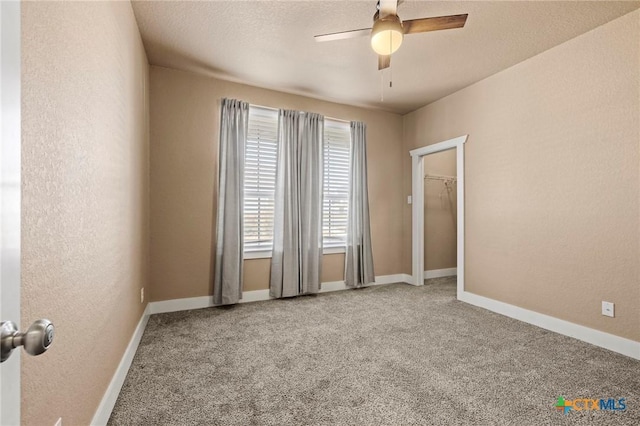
(386,35)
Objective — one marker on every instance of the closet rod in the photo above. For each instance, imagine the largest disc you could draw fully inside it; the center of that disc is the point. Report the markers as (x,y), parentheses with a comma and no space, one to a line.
(440,177)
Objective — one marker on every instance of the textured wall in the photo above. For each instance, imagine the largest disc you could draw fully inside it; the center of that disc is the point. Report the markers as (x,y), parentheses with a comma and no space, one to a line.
(440,245)
(85,199)
(184,149)
(552,178)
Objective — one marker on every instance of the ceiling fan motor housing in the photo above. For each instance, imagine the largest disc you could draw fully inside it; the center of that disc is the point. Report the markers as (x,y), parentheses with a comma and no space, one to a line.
(387,34)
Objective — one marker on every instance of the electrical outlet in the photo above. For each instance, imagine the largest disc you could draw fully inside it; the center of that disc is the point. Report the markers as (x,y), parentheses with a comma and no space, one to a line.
(59,422)
(142,295)
(607,309)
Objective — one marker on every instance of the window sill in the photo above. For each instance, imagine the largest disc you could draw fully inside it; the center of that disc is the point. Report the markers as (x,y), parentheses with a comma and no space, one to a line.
(257,254)
(266,254)
(334,250)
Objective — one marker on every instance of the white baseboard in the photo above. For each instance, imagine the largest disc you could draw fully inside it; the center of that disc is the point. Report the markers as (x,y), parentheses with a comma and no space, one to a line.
(380,280)
(396,278)
(438,273)
(254,296)
(608,341)
(188,303)
(407,279)
(258,295)
(184,304)
(101,417)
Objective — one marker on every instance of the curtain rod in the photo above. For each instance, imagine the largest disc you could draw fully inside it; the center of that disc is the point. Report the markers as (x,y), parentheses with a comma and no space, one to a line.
(277,109)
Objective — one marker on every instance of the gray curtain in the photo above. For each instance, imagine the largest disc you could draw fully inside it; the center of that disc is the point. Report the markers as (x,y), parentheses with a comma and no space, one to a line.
(234,118)
(296,262)
(359,256)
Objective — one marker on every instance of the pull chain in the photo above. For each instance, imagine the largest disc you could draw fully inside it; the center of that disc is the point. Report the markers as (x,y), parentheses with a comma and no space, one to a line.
(381,85)
(390,71)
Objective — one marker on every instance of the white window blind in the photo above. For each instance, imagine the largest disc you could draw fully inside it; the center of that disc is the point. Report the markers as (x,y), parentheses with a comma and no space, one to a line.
(260,178)
(337,142)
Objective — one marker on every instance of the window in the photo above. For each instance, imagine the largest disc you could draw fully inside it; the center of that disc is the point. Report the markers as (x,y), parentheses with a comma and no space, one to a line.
(337,140)
(260,179)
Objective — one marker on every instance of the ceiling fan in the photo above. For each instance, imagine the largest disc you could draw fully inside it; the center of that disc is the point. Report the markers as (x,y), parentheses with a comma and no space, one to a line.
(388,30)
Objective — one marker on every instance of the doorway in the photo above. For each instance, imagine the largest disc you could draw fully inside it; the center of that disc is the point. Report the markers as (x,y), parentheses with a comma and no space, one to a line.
(440,214)
(418,208)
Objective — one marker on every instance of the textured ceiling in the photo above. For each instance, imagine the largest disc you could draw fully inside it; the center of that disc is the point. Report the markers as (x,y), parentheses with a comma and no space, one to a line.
(270,44)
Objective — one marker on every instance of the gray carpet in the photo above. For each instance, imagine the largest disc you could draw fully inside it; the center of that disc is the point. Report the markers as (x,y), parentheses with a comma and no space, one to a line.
(385,355)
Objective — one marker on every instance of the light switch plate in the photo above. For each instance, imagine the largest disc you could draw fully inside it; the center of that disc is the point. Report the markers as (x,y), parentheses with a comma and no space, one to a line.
(408,199)
(607,309)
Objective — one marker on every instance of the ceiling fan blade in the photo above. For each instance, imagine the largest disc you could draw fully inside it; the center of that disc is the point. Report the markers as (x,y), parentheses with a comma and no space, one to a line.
(343,35)
(388,7)
(384,61)
(424,25)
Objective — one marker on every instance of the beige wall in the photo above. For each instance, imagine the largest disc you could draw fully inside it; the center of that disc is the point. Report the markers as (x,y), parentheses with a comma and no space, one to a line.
(85,199)
(440,213)
(184,149)
(552,178)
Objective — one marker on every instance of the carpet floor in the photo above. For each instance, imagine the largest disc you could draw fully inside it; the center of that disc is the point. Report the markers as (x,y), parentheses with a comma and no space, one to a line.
(384,355)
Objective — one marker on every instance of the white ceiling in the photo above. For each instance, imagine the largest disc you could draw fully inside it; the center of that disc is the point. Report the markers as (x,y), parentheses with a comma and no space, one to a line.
(270,44)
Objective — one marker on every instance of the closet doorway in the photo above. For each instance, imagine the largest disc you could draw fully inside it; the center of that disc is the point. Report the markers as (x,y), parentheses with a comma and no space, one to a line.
(448,189)
(440,214)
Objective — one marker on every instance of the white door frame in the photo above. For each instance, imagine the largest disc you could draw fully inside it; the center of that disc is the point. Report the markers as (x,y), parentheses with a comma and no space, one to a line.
(10,201)
(417,207)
